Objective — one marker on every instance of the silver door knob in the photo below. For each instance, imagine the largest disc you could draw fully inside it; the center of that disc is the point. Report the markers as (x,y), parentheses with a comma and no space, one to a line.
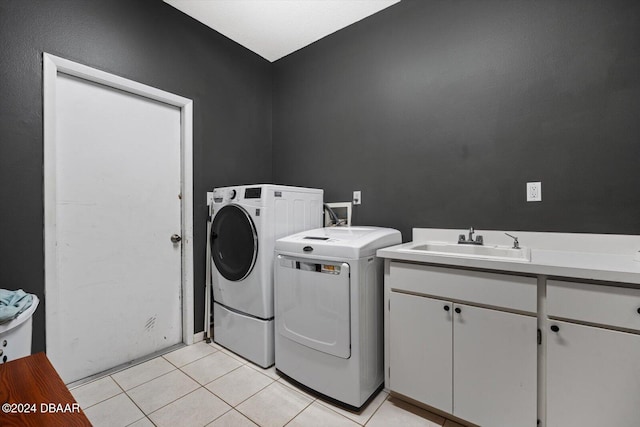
(176,238)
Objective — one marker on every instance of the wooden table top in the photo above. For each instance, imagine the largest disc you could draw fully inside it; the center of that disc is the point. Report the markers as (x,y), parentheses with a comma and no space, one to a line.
(33,394)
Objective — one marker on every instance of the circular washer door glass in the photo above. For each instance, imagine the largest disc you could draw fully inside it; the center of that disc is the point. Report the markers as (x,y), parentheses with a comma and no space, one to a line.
(234,242)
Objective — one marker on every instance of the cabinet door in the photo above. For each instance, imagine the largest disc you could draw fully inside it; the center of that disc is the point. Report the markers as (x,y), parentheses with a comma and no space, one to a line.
(593,377)
(495,367)
(420,350)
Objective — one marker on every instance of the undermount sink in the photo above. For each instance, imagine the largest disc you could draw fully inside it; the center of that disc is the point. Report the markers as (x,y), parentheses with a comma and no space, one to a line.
(499,253)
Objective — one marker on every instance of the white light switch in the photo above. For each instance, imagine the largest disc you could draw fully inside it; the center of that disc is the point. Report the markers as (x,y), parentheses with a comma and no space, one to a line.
(357,197)
(534,191)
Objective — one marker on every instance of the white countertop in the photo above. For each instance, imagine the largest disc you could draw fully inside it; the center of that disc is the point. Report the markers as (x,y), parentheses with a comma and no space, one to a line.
(559,260)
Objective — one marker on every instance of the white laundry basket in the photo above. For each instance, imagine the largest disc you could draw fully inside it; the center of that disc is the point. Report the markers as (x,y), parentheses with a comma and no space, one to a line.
(15,336)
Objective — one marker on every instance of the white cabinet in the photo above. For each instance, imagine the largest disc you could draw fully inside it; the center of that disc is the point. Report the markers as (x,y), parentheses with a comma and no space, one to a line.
(477,363)
(593,373)
(494,367)
(420,350)
(593,377)
(484,364)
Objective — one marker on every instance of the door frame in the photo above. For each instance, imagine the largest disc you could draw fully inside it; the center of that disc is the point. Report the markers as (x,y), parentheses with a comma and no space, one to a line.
(52,65)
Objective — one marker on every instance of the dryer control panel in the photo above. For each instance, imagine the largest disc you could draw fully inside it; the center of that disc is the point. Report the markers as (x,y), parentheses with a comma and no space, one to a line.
(226,195)
(253,193)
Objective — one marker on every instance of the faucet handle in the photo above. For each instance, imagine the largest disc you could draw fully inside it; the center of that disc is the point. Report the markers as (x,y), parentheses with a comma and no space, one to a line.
(461,238)
(516,245)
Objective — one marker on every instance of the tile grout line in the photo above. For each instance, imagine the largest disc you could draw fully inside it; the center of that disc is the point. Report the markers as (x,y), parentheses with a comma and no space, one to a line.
(298,414)
(199,386)
(135,403)
(255,369)
(148,381)
(342,415)
(240,403)
(191,392)
(273,382)
(141,410)
(215,379)
(221,415)
(376,411)
(294,388)
(128,397)
(192,361)
(280,380)
(244,416)
(325,404)
(145,417)
(248,364)
(259,369)
(103,400)
(175,367)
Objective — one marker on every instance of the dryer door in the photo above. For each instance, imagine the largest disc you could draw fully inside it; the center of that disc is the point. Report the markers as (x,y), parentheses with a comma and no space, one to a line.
(234,242)
(313,304)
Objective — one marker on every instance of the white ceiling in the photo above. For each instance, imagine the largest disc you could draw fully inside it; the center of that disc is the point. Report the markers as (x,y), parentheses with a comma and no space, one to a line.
(275,28)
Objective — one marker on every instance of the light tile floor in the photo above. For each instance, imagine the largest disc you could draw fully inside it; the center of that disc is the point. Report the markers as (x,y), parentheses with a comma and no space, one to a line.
(206,385)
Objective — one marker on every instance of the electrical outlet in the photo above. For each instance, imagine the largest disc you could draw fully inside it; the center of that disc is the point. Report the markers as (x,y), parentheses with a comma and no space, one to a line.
(534,191)
(357,197)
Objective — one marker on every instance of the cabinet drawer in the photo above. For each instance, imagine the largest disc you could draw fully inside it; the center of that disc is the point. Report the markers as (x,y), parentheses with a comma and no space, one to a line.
(496,290)
(603,305)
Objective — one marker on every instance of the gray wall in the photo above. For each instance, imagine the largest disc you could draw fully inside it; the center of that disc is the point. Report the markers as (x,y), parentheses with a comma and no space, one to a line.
(441,111)
(143,40)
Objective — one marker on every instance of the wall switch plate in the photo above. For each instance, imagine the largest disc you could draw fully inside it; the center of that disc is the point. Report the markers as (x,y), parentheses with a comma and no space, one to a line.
(209,198)
(534,191)
(357,197)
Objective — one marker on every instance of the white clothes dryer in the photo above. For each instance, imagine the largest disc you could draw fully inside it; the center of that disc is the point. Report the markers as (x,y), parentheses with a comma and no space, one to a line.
(247,220)
(329,310)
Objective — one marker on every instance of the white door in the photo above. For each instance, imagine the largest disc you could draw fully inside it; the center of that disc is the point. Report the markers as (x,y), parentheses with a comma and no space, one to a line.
(494,367)
(593,377)
(117,204)
(421,349)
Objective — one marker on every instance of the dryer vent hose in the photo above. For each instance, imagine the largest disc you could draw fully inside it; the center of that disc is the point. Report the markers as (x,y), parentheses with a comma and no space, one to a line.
(334,218)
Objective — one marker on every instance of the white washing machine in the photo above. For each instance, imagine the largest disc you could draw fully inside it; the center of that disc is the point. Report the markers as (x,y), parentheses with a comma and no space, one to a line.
(329,310)
(247,220)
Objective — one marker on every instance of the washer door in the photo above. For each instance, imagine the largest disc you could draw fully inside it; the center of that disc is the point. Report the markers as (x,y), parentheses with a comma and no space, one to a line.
(234,242)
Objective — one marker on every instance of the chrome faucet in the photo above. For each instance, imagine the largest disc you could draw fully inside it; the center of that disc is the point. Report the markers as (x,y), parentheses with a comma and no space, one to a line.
(462,240)
(516,245)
